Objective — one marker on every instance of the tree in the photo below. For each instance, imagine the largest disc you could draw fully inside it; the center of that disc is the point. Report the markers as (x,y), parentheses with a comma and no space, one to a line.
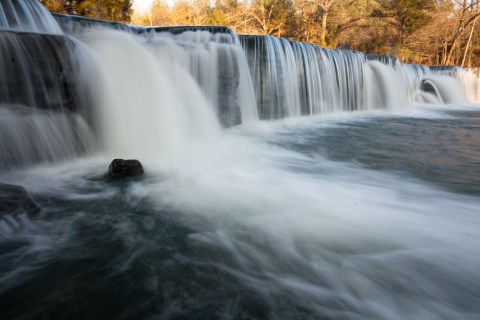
(181,14)
(406,16)
(160,14)
(228,13)
(113,10)
(466,14)
(200,12)
(57,6)
(323,8)
(440,32)
(324,20)
(271,16)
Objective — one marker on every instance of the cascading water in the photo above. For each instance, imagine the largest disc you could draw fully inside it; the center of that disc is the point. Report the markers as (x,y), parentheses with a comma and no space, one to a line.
(446,89)
(411,76)
(293,79)
(437,85)
(143,109)
(28,16)
(218,64)
(347,215)
(210,66)
(77,25)
(38,91)
(29,136)
(468,78)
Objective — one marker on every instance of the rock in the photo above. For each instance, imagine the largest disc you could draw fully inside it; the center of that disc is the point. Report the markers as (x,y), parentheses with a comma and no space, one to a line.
(14,200)
(120,168)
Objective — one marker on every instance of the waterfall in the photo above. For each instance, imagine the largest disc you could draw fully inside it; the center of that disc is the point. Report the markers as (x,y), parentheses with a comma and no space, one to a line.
(293,79)
(386,88)
(166,90)
(408,77)
(438,85)
(170,86)
(30,136)
(445,89)
(470,81)
(468,78)
(28,16)
(77,25)
(41,71)
(149,104)
(217,63)
(44,101)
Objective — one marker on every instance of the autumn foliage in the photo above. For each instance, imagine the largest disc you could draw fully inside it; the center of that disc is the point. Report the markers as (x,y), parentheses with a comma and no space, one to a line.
(432,32)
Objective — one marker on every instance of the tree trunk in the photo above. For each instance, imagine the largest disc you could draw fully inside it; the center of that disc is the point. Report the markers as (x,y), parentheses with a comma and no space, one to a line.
(468,43)
(323,31)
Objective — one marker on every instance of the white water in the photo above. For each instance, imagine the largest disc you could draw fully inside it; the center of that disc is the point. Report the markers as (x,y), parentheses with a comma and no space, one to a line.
(149,105)
(470,83)
(336,239)
(290,79)
(31,136)
(217,62)
(340,243)
(27,15)
(385,88)
(447,89)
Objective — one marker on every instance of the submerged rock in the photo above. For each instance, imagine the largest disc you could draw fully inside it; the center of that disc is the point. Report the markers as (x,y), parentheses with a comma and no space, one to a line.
(14,200)
(120,168)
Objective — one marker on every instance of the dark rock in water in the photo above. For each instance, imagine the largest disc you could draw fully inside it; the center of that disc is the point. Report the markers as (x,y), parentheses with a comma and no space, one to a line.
(15,200)
(120,168)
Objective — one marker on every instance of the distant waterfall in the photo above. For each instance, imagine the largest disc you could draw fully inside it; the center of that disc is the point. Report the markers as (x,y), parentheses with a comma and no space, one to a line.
(410,75)
(467,77)
(293,79)
(440,85)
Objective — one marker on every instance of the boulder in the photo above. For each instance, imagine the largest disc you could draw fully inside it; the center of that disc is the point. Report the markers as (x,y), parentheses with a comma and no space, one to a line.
(120,168)
(14,200)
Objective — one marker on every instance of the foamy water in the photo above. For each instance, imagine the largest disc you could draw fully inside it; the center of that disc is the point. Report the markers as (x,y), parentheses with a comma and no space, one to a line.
(306,235)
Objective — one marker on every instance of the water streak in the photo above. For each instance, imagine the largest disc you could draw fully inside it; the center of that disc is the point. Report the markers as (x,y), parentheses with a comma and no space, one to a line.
(27,15)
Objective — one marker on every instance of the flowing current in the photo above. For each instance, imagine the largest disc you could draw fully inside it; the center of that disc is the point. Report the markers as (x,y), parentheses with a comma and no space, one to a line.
(339,215)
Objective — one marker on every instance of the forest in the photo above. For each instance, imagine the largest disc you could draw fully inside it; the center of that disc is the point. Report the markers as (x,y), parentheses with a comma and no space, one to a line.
(430,32)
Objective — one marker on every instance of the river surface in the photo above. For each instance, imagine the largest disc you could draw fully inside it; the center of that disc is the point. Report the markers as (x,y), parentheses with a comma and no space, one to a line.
(372,215)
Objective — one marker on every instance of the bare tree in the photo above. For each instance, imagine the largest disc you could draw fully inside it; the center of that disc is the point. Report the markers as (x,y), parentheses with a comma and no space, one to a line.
(465,13)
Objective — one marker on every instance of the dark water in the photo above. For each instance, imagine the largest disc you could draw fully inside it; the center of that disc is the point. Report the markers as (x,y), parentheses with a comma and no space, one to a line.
(355,217)
(444,151)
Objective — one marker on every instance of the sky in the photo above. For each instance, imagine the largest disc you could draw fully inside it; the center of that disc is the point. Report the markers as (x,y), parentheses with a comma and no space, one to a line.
(141,5)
